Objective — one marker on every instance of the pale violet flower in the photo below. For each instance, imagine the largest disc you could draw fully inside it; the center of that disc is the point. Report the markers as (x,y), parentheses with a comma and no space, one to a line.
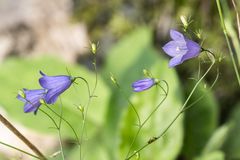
(180,48)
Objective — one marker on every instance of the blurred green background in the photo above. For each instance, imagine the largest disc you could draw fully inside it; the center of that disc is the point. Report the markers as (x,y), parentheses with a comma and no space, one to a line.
(130,36)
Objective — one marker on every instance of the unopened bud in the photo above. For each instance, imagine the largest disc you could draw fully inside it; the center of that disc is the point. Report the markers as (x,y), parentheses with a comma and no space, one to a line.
(22,94)
(42,101)
(93,48)
(147,73)
(156,80)
(137,155)
(199,33)
(80,108)
(184,21)
(205,86)
(113,79)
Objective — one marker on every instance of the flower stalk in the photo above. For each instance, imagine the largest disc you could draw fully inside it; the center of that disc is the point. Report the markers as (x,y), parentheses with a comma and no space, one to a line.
(91,94)
(225,32)
(25,152)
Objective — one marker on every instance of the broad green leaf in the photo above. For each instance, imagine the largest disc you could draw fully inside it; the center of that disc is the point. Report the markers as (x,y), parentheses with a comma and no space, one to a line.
(217,139)
(231,146)
(200,121)
(167,147)
(126,62)
(216,155)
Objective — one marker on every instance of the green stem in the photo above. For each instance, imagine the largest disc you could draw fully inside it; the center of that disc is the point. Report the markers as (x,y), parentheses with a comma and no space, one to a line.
(129,102)
(75,133)
(150,115)
(49,117)
(22,137)
(10,146)
(59,130)
(201,97)
(91,95)
(227,40)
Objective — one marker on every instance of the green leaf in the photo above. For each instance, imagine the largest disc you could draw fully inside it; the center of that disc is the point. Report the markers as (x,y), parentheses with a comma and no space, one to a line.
(169,146)
(200,121)
(216,155)
(231,147)
(217,139)
(126,62)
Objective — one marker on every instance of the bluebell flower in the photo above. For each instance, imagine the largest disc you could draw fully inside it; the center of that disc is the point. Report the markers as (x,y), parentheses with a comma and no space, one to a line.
(31,98)
(143,84)
(55,86)
(180,48)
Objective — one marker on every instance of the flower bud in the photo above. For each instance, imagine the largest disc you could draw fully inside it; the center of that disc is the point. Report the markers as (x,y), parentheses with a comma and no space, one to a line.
(21,93)
(184,21)
(113,79)
(94,48)
(80,108)
(146,73)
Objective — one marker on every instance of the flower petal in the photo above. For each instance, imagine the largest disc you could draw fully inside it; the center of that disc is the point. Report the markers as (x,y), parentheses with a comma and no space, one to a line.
(32,106)
(175,35)
(193,50)
(52,95)
(174,48)
(175,61)
(31,94)
(50,82)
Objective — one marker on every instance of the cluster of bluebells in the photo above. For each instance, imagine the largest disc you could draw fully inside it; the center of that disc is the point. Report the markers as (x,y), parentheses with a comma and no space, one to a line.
(180,48)
(52,87)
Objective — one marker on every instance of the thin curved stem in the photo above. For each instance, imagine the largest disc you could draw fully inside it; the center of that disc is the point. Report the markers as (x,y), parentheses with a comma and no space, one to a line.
(129,102)
(91,95)
(59,130)
(165,96)
(22,137)
(75,133)
(202,96)
(198,82)
(20,150)
(237,16)
(149,116)
(58,127)
(86,82)
(54,122)
(179,113)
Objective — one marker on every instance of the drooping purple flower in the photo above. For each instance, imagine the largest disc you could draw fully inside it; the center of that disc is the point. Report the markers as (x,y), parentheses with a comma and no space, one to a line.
(31,98)
(55,85)
(181,48)
(143,84)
